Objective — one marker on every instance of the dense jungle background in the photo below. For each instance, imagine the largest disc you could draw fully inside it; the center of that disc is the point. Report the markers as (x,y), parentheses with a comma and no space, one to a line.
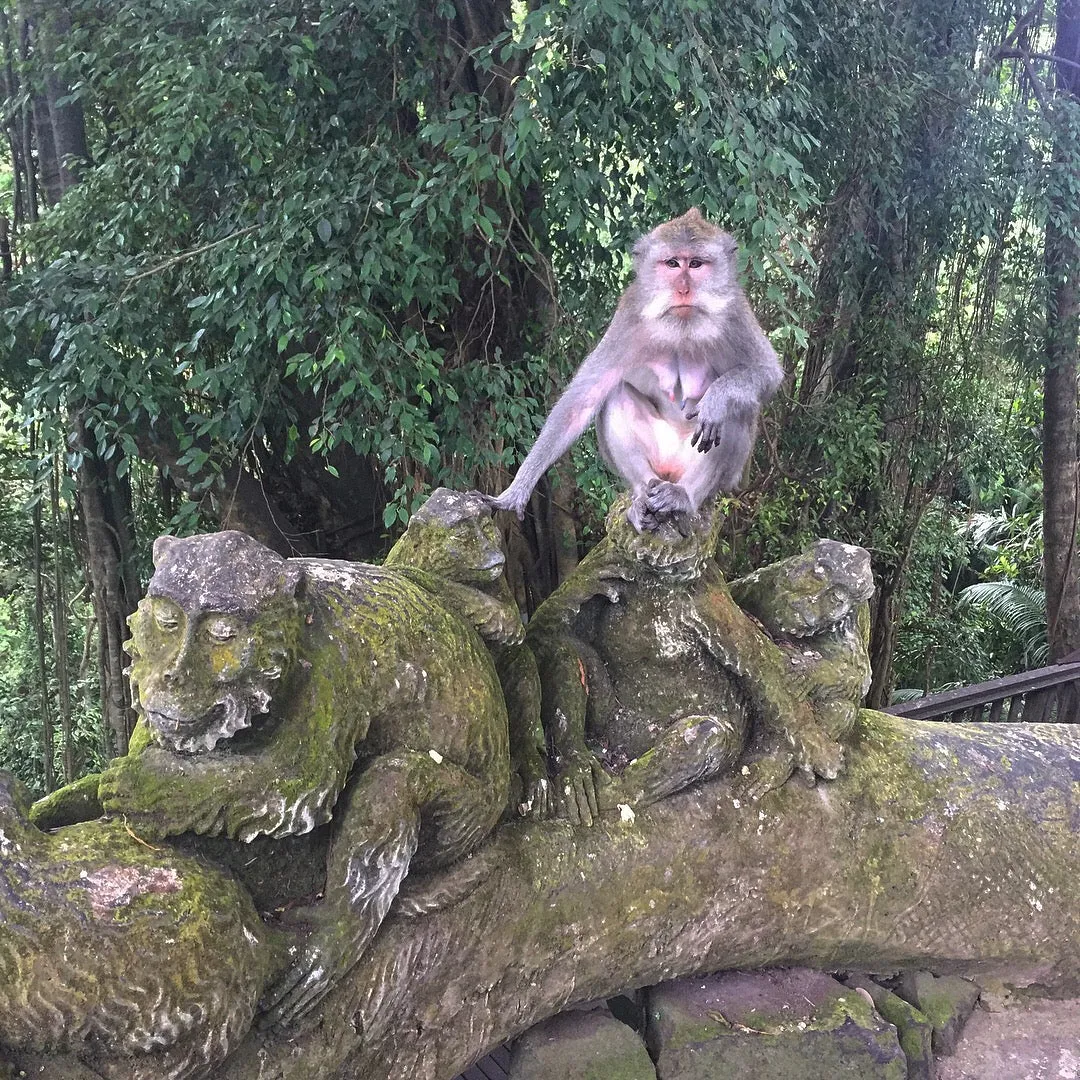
(286,265)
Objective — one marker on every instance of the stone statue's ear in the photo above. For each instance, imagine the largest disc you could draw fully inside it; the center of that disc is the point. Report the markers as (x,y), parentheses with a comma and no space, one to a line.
(293,584)
(162,546)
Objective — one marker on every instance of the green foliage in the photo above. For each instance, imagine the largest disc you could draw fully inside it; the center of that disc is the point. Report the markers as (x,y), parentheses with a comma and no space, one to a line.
(317,233)
(303,229)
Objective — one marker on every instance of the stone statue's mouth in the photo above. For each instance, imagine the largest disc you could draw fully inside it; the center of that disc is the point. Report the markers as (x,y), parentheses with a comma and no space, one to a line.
(203,732)
(163,721)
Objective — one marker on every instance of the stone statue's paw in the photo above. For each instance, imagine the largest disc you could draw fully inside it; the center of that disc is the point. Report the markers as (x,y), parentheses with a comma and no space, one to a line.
(758,778)
(153,803)
(576,787)
(537,802)
(320,962)
(818,755)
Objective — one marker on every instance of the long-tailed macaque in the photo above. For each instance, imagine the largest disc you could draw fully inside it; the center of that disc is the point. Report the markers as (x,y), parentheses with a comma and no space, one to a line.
(676,382)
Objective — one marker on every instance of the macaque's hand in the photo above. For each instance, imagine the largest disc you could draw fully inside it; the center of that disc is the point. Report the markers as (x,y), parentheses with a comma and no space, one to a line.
(508,500)
(320,962)
(576,786)
(712,413)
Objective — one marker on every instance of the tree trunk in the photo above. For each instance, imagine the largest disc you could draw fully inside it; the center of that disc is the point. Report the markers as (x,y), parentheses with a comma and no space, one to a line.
(61,658)
(1060,462)
(105,502)
(47,733)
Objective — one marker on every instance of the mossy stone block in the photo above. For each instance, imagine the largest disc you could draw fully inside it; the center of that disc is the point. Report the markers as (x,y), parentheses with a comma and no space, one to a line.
(947,1001)
(793,1024)
(581,1046)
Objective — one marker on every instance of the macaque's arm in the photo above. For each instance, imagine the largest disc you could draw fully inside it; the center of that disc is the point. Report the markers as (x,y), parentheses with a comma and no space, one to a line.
(599,374)
(735,398)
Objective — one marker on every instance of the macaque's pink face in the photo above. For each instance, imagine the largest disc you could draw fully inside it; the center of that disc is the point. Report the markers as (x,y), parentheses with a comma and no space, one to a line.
(684,287)
(682,276)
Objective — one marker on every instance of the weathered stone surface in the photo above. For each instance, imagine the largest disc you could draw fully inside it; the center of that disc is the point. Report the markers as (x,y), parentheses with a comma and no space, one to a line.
(912,1027)
(110,947)
(942,847)
(793,1024)
(946,1001)
(1029,1040)
(581,1046)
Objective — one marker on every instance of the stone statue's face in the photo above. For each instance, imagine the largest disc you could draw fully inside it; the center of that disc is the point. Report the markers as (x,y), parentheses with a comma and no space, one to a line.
(199,674)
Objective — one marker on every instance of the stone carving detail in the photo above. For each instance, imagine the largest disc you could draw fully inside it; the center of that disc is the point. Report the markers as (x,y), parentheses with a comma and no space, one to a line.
(655,678)
(265,683)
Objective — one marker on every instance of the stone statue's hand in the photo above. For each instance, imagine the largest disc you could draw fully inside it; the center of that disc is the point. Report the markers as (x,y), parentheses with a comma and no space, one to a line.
(328,953)
(532,791)
(766,774)
(537,802)
(576,785)
(816,754)
(147,797)
(155,802)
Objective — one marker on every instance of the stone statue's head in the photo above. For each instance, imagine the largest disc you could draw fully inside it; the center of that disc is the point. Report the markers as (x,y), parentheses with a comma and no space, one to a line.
(218,627)
(453,535)
(665,552)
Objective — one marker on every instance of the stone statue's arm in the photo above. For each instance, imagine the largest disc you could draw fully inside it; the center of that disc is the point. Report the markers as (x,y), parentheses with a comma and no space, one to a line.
(578,773)
(531,792)
(761,668)
(285,787)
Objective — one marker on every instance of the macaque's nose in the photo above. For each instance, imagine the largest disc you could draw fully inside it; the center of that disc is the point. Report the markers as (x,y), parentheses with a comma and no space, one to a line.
(682,284)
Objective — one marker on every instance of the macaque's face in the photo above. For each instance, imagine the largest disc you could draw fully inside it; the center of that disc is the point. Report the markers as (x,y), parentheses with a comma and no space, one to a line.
(685,275)
(196,672)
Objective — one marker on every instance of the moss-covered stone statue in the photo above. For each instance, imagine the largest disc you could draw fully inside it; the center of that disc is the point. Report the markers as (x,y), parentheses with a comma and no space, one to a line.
(294,707)
(144,962)
(654,678)
(264,684)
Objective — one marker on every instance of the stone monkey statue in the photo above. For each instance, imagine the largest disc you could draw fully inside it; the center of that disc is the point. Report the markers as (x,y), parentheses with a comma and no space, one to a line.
(276,694)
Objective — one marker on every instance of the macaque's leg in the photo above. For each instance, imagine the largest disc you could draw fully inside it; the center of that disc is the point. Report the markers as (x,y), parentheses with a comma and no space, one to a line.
(722,467)
(626,441)
(692,749)
(377,827)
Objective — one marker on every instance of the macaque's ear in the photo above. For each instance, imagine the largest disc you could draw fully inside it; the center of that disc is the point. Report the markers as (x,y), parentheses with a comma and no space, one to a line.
(162,546)
(694,213)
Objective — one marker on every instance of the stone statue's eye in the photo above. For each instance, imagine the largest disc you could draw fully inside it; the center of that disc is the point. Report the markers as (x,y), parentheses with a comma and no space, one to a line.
(221,630)
(166,620)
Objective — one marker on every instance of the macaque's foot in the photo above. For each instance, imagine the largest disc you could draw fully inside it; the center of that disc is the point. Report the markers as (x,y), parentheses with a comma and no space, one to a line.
(576,788)
(662,502)
(506,501)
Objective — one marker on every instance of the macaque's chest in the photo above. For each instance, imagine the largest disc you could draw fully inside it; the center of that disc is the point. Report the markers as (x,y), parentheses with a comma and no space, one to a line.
(671,379)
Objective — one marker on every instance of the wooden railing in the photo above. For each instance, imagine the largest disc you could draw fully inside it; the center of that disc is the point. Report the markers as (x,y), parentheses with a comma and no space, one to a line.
(1043,695)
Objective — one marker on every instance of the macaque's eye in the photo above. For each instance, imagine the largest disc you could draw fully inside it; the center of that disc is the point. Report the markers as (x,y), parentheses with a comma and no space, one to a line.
(166,619)
(221,630)
(673,263)
(695,263)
